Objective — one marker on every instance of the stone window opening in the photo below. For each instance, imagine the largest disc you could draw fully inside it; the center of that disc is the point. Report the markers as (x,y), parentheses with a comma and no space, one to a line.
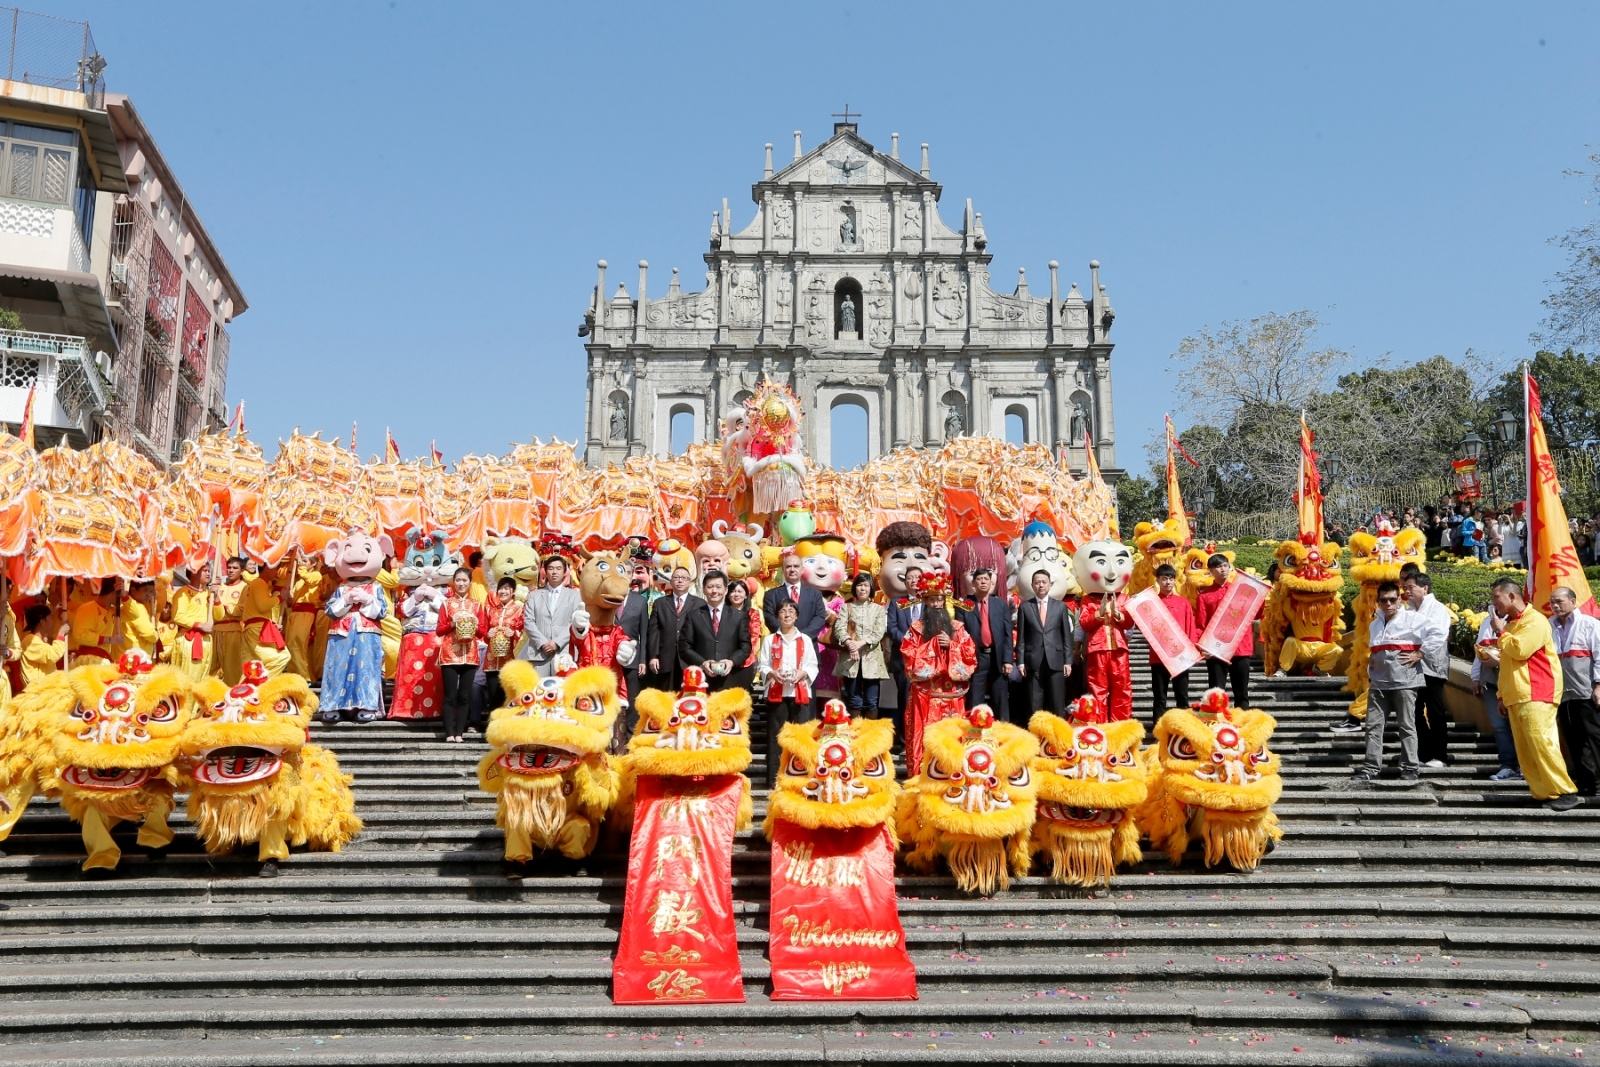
(1017,425)
(680,420)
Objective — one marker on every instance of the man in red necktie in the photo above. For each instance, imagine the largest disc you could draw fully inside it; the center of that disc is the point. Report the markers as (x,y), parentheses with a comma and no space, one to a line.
(988,619)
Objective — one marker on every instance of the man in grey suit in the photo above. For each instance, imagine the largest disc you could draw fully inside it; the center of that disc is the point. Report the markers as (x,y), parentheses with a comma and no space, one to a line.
(547,616)
(1044,637)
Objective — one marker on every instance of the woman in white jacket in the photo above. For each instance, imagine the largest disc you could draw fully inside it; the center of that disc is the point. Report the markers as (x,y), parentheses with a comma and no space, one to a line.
(787,666)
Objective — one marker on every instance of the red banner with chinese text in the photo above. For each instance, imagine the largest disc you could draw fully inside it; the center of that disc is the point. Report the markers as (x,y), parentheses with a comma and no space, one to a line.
(836,931)
(1235,615)
(1167,640)
(678,942)
(1468,484)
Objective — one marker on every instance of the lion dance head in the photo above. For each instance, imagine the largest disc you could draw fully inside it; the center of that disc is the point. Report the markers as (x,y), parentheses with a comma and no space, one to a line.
(836,773)
(1090,778)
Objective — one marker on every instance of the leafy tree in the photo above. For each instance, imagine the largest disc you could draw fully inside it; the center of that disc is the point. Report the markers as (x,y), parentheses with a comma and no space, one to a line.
(1138,499)
(1268,361)
(1572,310)
(10,320)
(1569,393)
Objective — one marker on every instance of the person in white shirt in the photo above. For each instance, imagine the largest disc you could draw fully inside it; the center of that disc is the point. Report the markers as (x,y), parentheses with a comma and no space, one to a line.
(1486,687)
(787,666)
(1577,637)
(1511,541)
(1394,676)
(1433,720)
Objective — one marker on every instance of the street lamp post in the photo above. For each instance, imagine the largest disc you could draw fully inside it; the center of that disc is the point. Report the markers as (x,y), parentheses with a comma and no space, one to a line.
(1503,434)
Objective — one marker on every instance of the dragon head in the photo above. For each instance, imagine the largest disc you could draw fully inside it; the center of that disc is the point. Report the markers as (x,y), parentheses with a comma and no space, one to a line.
(835,773)
(691,732)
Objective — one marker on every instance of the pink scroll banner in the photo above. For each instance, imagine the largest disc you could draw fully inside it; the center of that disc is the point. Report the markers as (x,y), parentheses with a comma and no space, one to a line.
(1238,610)
(1167,639)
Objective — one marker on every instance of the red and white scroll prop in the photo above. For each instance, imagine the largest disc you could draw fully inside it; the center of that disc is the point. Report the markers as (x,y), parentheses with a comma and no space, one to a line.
(836,931)
(1167,639)
(1240,605)
(678,942)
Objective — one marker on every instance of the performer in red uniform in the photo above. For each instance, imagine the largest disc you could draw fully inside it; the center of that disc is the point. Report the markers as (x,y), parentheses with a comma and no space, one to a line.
(939,658)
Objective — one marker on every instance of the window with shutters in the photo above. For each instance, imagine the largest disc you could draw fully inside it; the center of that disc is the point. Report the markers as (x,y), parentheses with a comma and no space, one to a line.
(38,163)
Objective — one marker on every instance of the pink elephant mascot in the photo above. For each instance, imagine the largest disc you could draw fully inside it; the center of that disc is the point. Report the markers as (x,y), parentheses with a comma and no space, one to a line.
(352,674)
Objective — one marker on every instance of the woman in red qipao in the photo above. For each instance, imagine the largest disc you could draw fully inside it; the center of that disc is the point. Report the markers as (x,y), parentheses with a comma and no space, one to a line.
(940,658)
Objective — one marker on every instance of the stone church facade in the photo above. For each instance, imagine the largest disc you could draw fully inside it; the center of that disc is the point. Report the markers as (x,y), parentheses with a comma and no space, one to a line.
(849,286)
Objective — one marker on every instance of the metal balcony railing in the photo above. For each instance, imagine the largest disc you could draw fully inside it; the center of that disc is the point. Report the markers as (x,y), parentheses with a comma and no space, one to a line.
(51,51)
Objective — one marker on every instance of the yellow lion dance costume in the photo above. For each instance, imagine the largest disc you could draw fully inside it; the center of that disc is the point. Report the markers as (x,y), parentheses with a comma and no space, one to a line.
(253,778)
(1303,624)
(688,734)
(1194,576)
(1090,778)
(972,803)
(1375,559)
(1157,543)
(28,725)
(547,761)
(834,774)
(113,750)
(1218,781)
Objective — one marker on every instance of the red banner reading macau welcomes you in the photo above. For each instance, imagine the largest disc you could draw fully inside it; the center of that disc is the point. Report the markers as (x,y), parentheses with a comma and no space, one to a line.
(836,931)
(678,943)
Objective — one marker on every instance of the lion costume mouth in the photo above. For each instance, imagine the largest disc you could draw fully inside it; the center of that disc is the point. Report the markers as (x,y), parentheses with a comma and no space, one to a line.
(237,765)
(107,779)
(537,761)
(1085,818)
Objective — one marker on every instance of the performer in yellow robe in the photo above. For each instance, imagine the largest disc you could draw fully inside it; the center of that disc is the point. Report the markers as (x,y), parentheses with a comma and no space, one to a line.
(227,635)
(132,622)
(261,611)
(92,622)
(43,647)
(192,614)
(389,625)
(305,604)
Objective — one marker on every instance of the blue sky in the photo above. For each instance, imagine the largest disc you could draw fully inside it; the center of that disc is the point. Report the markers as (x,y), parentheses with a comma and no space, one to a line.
(413,195)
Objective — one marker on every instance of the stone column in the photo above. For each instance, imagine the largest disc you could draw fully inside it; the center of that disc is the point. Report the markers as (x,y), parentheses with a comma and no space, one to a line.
(767,311)
(1063,405)
(642,419)
(894,220)
(724,288)
(766,218)
(800,236)
(932,424)
(978,398)
(719,398)
(899,403)
(599,411)
(1105,436)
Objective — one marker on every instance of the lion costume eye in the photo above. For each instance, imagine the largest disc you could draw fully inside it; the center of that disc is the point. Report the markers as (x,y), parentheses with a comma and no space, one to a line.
(937,770)
(1122,759)
(1178,747)
(166,710)
(795,766)
(1021,778)
(730,725)
(285,706)
(876,768)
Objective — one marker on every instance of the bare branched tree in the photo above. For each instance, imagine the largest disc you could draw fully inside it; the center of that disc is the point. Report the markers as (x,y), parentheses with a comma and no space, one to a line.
(1572,310)
(1268,361)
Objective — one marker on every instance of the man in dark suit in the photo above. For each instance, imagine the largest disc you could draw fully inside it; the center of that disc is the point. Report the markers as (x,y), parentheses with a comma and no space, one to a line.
(666,618)
(712,637)
(1044,632)
(988,622)
(813,609)
(900,617)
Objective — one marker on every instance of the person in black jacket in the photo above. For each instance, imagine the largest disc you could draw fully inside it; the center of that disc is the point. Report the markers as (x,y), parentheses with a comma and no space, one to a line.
(666,617)
(991,681)
(713,636)
(813,620)
(1044,634)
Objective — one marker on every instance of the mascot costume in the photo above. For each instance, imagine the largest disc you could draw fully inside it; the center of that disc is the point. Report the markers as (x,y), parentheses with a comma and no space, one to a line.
(900,546)
(773,457)
(252,777)
(425,574)
(1194,571)
(113,755)
(1303,624)
(685,793)
(975,553)
(972,802)
(1158,543)
(1102,569)
(826,561)
(1090,778)
(1038,549)
(744,544)
(547,765)
(836,930)
(709,555)
(514,558)
(352,671)
(598,640)
(1373,561)
(1218,781)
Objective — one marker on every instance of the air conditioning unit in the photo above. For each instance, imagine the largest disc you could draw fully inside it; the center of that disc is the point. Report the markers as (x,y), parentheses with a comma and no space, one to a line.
(119,272)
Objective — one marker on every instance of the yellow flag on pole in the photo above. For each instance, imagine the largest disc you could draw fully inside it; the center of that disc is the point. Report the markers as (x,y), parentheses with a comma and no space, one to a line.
(1175,510)
(26,432)
(1552,558)
(1308,498)
(391,451)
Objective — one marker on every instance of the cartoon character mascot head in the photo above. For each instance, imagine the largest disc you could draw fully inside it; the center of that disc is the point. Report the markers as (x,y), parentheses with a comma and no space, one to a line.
(1038,550)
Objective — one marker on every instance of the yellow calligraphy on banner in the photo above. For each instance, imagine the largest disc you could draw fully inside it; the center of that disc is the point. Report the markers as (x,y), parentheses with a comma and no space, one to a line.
(838,872)
(836,977)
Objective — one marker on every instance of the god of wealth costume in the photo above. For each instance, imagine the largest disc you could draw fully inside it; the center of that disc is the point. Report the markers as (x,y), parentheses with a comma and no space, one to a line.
(938,676)
(1373,561)
(1303,623)
(1090,779)
(1217,781)
(116,729)
(835,923)
(547,763)
(973,802)
(254,779)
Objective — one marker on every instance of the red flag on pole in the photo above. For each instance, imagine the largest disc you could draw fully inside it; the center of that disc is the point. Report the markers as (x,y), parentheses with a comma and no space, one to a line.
(391,451)
(26,432)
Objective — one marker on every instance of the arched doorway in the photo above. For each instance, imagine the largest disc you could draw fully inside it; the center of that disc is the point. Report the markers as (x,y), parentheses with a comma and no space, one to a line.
(849,434)
(1016,425)
(847,304)
(680,434)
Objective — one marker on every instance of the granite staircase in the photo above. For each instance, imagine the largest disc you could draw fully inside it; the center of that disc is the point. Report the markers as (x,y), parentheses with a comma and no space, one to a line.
(1451,919)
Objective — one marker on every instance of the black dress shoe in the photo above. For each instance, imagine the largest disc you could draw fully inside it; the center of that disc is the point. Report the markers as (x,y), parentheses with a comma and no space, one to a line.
(269,869)
(1564,802)
(100,874)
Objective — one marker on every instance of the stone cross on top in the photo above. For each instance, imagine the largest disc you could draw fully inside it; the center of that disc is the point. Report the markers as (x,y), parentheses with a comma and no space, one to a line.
(847,120)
